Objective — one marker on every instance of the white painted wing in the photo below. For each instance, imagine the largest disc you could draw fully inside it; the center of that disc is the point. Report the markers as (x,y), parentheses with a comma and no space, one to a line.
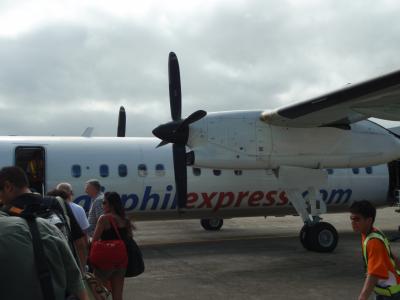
(378,98)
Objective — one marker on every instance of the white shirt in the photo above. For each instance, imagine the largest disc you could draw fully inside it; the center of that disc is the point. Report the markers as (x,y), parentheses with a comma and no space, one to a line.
(80,215)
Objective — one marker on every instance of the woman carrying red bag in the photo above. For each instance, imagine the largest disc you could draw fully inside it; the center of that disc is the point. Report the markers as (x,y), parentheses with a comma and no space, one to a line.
(108,253)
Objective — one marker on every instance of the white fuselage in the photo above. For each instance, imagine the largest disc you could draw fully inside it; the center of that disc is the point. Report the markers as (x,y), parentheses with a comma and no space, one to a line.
(144,176)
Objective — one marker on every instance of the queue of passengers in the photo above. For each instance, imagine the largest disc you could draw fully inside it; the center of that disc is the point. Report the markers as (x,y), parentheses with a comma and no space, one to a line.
(42,261)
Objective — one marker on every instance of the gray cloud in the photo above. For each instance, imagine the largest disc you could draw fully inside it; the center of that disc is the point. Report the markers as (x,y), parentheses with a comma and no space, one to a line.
(62,77)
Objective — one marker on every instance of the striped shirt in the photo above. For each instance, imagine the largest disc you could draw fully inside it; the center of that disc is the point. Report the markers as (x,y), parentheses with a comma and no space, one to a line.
(96,210)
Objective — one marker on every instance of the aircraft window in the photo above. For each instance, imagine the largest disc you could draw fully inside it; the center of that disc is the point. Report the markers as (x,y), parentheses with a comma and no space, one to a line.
(238,172)
(160,170)
(196,171)
(217,172)
(368,170)
(356,170)
(103,170)
(142,170)
(330,171)
(76,171)
(122,170)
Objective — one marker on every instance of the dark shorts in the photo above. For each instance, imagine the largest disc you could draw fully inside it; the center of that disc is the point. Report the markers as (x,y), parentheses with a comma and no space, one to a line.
(107,274)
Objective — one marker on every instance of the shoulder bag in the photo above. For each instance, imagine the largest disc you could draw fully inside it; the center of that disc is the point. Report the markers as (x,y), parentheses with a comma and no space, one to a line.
(109,254)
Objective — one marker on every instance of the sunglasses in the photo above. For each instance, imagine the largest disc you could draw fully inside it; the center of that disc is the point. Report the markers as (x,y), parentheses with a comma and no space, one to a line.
(355,219)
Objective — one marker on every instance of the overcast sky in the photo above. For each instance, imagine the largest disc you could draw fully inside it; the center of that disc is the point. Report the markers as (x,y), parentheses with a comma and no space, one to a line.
(64,67)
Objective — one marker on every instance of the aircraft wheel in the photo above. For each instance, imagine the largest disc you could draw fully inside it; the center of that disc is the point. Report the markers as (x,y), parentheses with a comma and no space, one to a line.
(322,237)
(213,224)
(304,234)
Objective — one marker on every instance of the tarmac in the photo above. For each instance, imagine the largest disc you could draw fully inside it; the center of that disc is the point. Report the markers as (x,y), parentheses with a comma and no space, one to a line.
(250,258)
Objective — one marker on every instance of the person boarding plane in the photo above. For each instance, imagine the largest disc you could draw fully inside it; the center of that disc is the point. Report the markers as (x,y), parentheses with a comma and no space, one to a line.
(309,158)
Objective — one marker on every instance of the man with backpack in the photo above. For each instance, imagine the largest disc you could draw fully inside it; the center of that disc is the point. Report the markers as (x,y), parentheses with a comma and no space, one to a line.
(36,262)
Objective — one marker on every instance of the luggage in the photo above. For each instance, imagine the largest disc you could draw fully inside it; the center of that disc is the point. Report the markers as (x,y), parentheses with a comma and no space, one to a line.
(95,288)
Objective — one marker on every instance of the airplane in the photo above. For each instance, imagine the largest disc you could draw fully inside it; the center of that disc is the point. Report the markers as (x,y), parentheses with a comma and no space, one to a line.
(309,158)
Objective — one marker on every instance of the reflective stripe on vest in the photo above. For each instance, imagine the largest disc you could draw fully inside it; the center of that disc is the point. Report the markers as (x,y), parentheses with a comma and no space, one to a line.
(390,290)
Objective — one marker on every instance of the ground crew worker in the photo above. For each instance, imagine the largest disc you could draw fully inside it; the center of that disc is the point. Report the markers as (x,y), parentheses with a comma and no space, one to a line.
(383,275)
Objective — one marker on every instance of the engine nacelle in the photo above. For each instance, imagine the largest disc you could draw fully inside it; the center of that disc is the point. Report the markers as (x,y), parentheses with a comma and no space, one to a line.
(240,140)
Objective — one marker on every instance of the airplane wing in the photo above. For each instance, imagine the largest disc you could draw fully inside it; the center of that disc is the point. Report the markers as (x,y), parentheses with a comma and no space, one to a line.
(378,98)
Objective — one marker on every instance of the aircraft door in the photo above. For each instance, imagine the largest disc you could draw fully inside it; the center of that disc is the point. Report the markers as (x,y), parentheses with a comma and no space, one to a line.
(32,160)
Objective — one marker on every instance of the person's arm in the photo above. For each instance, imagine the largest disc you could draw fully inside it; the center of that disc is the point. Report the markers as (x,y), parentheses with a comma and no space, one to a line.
(81,247)
(99,228)
(130,228)
(368,287)
(83,295)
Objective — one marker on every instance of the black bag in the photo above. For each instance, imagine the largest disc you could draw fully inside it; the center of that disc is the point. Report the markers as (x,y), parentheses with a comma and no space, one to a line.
(135,259)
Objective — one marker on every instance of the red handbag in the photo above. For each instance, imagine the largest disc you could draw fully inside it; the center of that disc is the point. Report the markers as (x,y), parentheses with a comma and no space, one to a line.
(109,254)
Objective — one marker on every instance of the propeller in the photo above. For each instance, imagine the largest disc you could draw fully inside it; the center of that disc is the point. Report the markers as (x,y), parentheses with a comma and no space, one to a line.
(121,122)
(177,130)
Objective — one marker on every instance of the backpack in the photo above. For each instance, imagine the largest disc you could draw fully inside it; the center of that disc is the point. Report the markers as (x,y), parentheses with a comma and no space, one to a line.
(50,208)
(55,212)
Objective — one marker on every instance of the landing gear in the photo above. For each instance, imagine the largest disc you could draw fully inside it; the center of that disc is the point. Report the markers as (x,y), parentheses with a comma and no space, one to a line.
(213,224)
(314,235)
(319,237)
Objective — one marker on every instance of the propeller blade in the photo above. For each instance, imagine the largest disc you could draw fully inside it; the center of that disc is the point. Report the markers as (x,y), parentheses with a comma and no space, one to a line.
(121,122)
(179,154)
(197,115)
(163,143)
(175,96)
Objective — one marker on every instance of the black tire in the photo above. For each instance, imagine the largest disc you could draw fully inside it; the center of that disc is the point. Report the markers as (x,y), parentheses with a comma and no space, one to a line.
(304,235)
(214,224)
(322,237)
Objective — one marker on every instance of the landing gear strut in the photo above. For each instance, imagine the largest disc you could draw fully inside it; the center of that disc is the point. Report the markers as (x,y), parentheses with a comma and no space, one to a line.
(213,224)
